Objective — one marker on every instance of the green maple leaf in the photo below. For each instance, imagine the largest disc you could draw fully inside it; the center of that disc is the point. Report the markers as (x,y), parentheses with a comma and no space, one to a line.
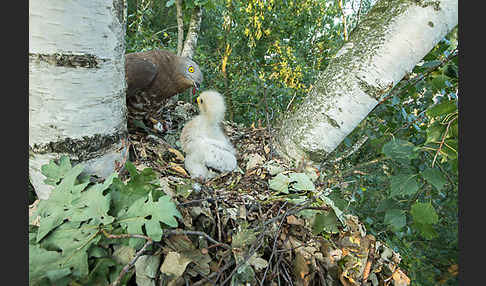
(53,172)
(67,202)
(139,185)
(74,241)
(100,273)
(302,182)
(92,204)
(43,264)
(137,215)
(60,206)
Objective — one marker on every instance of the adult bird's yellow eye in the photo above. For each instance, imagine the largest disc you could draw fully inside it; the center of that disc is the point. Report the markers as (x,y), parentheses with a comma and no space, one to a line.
(191,69)
(199,100)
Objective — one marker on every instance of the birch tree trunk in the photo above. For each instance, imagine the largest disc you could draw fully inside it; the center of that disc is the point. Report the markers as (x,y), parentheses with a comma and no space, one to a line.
(192,33)
(180,27)
(390,40)
(77,85)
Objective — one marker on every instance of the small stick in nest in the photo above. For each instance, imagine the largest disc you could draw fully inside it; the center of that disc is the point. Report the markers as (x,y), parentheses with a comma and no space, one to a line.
(137,255)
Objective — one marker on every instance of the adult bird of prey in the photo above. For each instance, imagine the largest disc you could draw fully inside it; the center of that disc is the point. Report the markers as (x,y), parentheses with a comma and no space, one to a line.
(153,77)
(206,146)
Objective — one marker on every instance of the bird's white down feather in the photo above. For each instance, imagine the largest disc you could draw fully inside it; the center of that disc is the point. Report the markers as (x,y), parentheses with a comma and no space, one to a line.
(204,142)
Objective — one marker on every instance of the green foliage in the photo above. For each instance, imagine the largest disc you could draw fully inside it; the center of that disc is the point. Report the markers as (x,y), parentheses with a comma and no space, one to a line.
(54,172)
(434,177)
(296,182)
(65,246)
(399,150)
(325,222)
(136,217)
(395,218)
(403,185)
(424,213)
(262,55)
(302,182)
(408,193)
(279,183)
(265,55)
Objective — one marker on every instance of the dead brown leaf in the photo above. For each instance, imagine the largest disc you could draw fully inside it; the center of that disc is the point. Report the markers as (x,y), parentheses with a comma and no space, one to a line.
(178,169)
(178,154)
(399,278)
(291,219)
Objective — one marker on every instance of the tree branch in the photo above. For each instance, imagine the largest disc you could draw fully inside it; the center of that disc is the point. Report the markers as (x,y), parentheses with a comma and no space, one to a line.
(345,29)
(192,33)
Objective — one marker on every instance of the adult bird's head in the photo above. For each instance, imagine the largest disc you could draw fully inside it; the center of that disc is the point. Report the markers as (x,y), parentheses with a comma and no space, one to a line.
(192,73)
(211,106)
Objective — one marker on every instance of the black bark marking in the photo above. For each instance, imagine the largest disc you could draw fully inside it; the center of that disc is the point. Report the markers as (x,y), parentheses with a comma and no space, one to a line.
(85,148)
(68,60)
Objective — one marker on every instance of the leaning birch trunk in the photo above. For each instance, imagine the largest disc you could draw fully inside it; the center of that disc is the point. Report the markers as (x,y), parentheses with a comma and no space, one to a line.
(77,85)
(192,33)
(393,37)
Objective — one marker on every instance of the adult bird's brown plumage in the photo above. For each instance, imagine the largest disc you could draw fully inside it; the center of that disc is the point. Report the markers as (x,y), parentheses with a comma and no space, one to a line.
(206,146)
(154,76)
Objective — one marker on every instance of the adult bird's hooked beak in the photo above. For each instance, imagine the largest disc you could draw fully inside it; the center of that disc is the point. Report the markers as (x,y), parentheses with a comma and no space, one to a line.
(196,87)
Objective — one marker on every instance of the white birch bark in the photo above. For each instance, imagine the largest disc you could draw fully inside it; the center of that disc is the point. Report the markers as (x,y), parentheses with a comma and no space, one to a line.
(192,33)
(180,27)
(76,85)
(390,40)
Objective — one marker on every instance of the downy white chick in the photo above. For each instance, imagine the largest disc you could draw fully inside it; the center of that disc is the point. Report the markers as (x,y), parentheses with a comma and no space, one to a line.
(203,140)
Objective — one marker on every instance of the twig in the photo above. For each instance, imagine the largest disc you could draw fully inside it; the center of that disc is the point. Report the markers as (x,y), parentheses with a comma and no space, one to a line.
(321,275)
(443,139)
(446,174)
(259,239)
(396,91)
(221,271)
(359,11)
(406,125)
(295,209)
(290,211)
(291,100)
(377,160)
(218,219)
(193,202)
(266,105)
(120,167)
(226,266)
(352,150)
(274,245)
(169,232)
(345,31)
(137,255)
(287,277)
